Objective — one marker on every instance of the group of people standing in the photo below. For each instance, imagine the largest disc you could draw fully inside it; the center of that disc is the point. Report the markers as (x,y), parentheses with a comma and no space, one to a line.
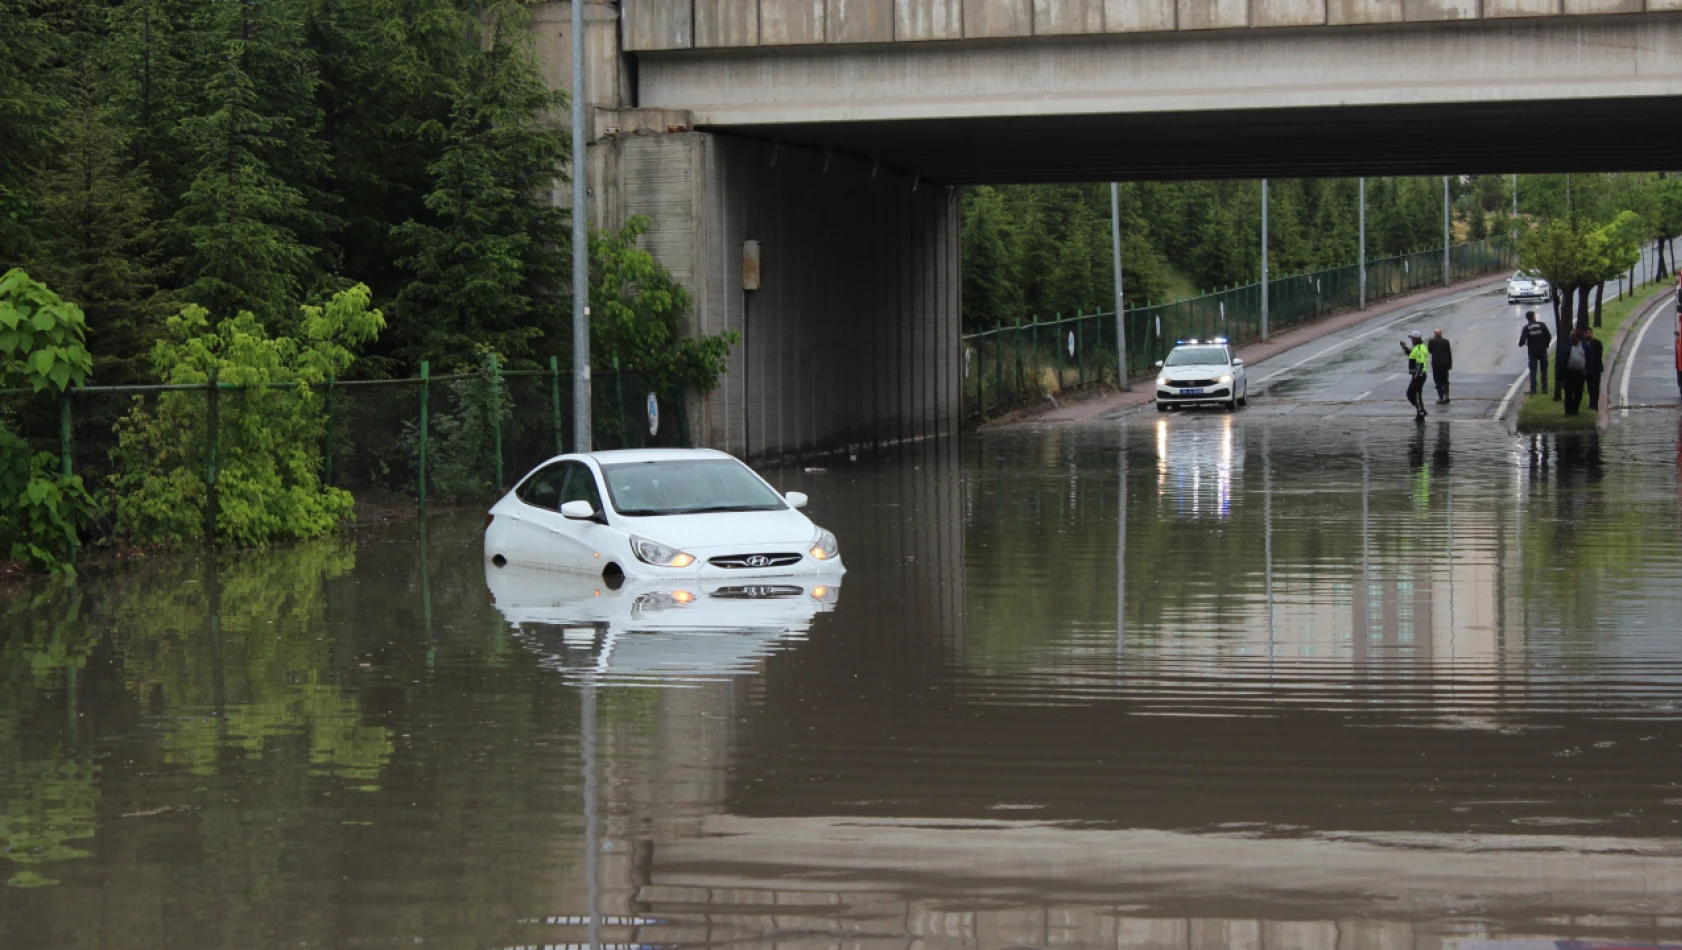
(1581,366)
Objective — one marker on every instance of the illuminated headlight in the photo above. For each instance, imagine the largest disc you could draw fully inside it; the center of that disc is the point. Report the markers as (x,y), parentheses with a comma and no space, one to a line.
(1163,381)
(1225,380)
(650,552)
(824,547)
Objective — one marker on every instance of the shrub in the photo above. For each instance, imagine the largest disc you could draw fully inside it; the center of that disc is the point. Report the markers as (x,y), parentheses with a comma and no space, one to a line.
(268,442)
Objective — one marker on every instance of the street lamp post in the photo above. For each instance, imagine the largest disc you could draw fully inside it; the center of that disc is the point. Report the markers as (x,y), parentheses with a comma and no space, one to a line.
(580,245)
(1363,206)
(1264,262)
(1120,324)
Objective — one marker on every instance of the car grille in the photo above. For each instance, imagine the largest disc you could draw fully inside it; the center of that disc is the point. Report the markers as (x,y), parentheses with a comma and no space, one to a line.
(1191,383)
(1211,394)
(754,561)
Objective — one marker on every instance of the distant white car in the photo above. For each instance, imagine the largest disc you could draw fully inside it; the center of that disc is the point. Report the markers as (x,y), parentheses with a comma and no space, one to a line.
(669,514)
(1522,287)
(1201,373)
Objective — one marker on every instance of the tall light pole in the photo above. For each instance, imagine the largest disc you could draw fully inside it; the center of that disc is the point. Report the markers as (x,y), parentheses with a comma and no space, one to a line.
(1447,239)
(580,245)
(1264,263)
(1120,325)
(1363,206)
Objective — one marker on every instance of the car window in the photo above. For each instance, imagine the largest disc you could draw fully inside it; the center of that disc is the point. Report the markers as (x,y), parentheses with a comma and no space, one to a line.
(687,486)
(543,488)
(581,486)
(1195,355)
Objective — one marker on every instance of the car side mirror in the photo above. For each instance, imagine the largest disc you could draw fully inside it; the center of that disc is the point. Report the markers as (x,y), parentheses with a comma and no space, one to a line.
(578,511)
(796,499)
(1237,362)
(1158,364)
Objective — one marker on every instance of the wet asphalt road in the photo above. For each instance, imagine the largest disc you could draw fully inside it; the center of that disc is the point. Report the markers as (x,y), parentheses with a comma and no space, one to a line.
(1361,371)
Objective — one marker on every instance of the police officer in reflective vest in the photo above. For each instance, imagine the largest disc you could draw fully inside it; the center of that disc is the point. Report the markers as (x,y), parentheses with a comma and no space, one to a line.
(1418,359)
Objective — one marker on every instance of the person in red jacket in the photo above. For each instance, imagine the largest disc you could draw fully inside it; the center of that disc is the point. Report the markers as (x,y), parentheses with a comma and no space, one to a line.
(1679,359)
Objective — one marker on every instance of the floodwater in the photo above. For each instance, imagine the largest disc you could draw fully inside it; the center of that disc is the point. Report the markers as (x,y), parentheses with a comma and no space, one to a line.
(1201,681)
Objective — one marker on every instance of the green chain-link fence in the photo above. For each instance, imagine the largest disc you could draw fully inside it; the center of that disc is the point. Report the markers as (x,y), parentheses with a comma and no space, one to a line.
(1008,365)
(462,436)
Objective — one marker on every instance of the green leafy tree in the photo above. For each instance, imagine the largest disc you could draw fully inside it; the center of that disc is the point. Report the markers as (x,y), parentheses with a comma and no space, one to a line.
(42,348)
(490,264)
(269,441)
(636,316)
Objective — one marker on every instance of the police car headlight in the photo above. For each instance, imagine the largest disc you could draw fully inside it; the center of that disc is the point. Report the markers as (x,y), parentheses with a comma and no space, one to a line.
(657,554)
(1225,380)
(1162,381)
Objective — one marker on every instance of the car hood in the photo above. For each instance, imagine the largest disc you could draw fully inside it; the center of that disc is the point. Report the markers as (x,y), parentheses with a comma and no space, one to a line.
(1197,371)
(759,530)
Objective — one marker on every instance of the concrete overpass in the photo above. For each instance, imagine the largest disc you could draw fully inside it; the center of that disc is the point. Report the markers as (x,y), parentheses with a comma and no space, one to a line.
(832,131)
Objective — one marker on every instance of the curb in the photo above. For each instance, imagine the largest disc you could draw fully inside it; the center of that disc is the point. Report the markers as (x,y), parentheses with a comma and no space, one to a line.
(1642,313)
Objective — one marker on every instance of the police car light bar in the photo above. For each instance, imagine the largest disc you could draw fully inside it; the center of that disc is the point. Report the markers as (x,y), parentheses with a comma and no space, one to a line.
(1219,339)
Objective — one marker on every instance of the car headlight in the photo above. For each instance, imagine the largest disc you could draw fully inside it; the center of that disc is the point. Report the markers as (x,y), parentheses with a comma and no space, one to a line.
(824,547)
(1163,381)
(1225,380)
(652,552)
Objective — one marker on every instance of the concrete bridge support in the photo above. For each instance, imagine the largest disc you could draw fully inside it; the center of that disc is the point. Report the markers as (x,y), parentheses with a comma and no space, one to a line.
(851,339)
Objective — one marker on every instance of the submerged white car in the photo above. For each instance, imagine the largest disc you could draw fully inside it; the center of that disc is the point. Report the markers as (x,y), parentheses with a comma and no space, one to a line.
(1201,373)
(656,513)
(1522,287)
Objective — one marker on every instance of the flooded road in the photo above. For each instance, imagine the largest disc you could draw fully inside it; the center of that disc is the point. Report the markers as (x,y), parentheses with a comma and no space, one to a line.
(1195,681)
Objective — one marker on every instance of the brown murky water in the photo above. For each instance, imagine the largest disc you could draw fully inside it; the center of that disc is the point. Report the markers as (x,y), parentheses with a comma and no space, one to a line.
(1356,686)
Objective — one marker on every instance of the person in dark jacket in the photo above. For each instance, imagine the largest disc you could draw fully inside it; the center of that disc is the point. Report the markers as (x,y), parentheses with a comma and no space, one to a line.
(1594,364)
(1572,370)
(1442,360)
(1535,338)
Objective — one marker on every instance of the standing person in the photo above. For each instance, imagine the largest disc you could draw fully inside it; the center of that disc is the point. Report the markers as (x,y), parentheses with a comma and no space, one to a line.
(1442,360)
(1418,356)
(1679,359)
(1571,373)
(1535,338)
(1594,364)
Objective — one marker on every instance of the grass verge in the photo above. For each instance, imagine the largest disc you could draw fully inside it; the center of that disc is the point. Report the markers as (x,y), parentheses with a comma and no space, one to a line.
(1541,412)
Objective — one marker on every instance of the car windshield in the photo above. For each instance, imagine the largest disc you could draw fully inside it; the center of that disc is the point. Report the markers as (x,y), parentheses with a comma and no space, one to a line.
(1196,356)
(1521,275)
(687,486)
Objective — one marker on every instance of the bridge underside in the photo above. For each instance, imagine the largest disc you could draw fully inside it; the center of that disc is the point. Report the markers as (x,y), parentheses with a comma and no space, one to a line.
(1562,94)
(1588,135)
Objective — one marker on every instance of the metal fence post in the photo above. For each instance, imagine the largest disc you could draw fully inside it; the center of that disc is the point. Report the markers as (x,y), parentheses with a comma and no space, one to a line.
(496,419)
(1057,340)
(555,401)
(425,388)
(327,447)
(64,454)
(212,434)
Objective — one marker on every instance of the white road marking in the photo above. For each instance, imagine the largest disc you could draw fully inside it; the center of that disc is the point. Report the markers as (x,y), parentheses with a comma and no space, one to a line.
(1363,396)
(1392,376)
(1512,391)
(1629,363)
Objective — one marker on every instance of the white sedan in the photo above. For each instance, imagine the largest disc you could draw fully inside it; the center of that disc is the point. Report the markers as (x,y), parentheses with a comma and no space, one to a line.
(1201,374)
(656,513)
(1522,287)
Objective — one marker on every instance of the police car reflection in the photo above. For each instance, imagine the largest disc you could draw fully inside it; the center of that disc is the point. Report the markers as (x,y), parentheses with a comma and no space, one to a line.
(655,631)
(1195,466)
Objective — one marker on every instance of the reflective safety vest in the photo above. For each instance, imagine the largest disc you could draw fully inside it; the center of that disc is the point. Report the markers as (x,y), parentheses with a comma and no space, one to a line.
(1420,357)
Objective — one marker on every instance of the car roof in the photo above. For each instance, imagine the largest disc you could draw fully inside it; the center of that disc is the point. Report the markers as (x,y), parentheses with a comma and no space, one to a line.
(617,456)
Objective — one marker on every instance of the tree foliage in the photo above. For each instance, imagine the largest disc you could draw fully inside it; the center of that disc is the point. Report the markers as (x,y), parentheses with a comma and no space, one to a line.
(268,442)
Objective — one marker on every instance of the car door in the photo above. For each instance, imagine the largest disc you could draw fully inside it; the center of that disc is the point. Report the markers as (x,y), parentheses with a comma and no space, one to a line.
(533,521)
(581,541)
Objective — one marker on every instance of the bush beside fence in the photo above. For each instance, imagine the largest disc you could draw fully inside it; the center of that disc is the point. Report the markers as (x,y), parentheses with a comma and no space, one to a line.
(457,436)
(1009,365)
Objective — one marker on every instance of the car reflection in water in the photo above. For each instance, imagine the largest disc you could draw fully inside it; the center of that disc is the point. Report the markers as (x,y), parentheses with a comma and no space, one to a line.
(653,631)
(1195,465)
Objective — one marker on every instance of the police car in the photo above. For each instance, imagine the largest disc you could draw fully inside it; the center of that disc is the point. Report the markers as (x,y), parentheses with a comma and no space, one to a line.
(1522,287)
(1201,373)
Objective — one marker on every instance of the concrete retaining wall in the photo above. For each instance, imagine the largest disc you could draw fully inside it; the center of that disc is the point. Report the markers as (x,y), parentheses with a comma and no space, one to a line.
(852,338)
